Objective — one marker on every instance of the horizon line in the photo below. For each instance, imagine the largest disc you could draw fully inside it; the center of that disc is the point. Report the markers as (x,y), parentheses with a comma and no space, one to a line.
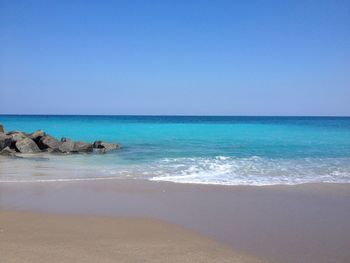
(172,115)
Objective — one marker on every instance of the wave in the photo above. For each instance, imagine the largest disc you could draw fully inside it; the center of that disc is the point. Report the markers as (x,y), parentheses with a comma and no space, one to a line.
(223,170)
(253,170)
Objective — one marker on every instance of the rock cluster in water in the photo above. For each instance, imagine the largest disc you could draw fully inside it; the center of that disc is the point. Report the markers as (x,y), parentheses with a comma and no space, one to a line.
(20,142)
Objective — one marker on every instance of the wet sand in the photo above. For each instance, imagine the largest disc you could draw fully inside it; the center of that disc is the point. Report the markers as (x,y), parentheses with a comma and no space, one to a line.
(304,223)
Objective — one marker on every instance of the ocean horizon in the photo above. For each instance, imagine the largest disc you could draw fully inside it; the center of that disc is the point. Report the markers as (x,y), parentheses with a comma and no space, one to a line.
(226,150)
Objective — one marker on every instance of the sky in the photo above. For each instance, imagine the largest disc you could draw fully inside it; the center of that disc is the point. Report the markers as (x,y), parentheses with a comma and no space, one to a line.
(175,57)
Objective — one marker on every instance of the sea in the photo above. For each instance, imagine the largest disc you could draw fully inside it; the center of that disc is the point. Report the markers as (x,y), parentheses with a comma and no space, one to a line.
(223,150)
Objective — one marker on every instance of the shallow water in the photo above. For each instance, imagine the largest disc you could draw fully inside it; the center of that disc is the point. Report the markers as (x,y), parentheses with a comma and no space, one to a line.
(210,150)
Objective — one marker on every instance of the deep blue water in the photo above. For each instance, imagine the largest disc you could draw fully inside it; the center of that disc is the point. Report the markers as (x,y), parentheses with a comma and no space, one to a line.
(225,150)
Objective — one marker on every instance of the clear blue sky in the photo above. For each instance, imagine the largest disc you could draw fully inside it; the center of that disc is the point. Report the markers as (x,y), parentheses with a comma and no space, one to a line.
(175,57)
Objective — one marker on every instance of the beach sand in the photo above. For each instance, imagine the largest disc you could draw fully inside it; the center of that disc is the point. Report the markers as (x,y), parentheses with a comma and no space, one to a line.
(303,223)
(35,237)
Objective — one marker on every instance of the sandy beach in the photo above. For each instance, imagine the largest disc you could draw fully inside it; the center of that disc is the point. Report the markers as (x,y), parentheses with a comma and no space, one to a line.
(133,219)
(35,237)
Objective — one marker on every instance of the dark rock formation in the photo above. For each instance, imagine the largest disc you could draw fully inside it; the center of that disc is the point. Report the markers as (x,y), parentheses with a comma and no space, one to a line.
(82,147)
(98,144)
(5,141)
(21,142)
(8,151)
(66,146)
(48,141)
(16,136)
(105,147)
(27,145)
(15,132)
(36,136)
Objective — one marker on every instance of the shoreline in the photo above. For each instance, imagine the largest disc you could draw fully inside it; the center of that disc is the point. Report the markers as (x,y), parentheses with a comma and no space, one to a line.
(310,184)
(79,168)
(300,223)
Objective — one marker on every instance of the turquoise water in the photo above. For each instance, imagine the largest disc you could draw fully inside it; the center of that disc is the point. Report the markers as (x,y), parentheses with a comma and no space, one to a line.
(215,150)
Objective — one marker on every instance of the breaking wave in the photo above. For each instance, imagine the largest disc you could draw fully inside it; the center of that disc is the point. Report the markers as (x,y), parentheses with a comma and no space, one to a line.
(252,171)
(220,170)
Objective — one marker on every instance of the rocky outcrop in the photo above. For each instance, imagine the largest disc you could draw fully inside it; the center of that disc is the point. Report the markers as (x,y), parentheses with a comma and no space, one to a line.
(66,146)
(82,147)
(27,145)
(20,142)
(48,141)
(8,151)
(36,136)
(104,147)
(16,136)
(5,141)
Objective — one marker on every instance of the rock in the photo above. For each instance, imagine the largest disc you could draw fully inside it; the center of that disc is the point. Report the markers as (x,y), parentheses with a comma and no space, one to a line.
(2,128)
(40,141)
(27,145)
(13,132)
(7,151)
(50,150)
(48,141)
(64,139)
(66,146)
(97,144)
(36,136)
(105,147)
(82,147)
(16,136)
(5,141)
(100,150)
(110,146)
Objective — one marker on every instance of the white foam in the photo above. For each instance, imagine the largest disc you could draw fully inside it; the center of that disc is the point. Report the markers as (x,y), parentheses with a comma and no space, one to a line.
(221,170)
(255,171)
